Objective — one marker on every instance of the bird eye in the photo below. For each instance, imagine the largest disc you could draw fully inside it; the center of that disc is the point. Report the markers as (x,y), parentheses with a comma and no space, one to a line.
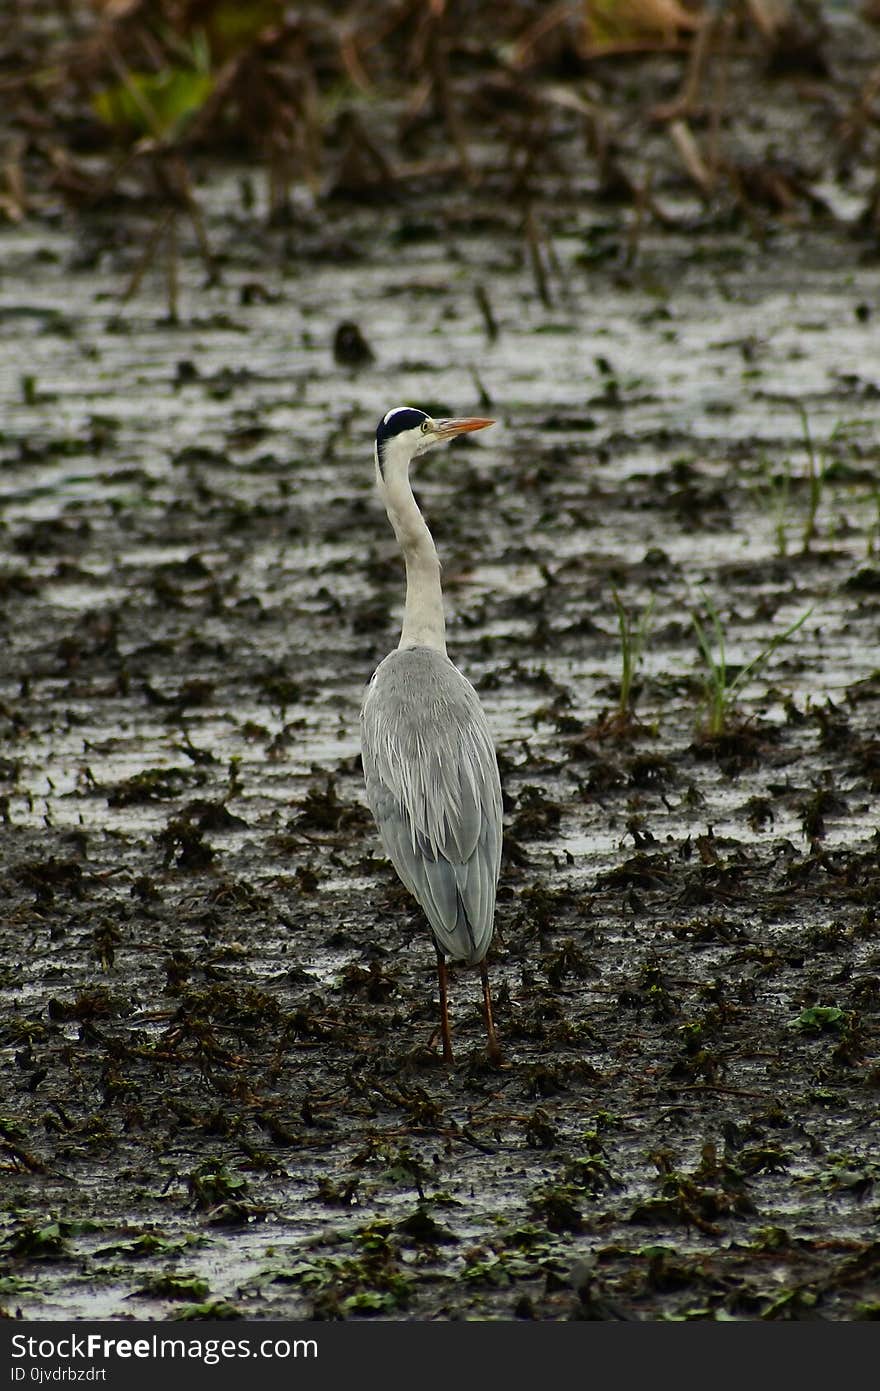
(426,425)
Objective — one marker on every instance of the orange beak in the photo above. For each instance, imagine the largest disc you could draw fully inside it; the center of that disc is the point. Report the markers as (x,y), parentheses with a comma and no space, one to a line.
(448,429)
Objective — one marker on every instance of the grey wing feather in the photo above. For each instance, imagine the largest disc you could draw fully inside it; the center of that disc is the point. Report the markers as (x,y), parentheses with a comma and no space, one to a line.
(432,784)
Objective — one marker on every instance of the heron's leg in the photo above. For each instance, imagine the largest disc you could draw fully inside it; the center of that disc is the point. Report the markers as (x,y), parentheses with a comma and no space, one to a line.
(444,1007)
(494,1048)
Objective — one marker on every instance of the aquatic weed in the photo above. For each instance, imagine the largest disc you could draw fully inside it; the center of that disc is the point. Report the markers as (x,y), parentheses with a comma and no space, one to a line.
(720,684)
(633,636)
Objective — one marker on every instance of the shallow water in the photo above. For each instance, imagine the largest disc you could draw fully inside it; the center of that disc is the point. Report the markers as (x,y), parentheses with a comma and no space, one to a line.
(197,576)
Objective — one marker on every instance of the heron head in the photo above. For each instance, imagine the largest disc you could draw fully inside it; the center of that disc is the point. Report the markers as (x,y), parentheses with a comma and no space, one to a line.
(406,432)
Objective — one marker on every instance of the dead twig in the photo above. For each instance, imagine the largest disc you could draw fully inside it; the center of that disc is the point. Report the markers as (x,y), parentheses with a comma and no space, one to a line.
(685,143)
(534,240)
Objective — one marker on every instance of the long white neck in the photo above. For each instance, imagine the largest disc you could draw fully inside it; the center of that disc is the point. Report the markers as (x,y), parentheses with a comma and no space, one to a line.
(424,624)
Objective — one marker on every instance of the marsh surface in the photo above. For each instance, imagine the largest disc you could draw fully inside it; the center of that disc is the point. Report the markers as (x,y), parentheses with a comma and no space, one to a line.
(220,1089)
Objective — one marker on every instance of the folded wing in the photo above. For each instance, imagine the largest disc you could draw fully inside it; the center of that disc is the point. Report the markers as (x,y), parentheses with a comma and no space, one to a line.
(432,784)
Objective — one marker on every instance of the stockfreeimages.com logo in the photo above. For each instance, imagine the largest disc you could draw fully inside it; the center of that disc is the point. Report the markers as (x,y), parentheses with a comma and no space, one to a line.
(95,1346)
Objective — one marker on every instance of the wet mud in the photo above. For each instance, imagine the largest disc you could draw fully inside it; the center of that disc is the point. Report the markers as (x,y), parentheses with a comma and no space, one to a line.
(222,1094)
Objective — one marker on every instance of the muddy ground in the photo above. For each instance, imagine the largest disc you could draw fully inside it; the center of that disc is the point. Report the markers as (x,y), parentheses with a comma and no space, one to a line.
(221,1091)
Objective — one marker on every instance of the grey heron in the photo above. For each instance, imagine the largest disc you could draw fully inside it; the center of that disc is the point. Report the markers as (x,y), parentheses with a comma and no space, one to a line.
(429,762)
